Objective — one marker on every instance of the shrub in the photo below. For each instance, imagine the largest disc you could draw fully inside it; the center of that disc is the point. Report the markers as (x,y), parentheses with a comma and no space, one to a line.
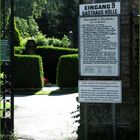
(40,39)
(67,71)
(28,72)
(53,42)
(50,57)
(56,42)
(65,41)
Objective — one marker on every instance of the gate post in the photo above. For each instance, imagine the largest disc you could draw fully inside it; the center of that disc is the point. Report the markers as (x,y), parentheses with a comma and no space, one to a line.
(6,63)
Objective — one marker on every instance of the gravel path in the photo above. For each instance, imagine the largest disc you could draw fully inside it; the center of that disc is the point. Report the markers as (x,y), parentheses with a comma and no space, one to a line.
(42,117)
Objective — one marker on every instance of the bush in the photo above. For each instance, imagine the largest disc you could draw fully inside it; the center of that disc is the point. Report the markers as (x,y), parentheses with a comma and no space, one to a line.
(40,39)
(50,57)
(28,72)
(65,42)
(67,71)
(53,42)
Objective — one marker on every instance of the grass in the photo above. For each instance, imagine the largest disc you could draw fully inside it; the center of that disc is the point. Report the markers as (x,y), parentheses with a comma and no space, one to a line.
(42,93)
(64,91)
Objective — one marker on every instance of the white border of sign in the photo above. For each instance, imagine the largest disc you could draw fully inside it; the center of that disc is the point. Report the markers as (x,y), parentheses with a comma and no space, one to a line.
(100,91)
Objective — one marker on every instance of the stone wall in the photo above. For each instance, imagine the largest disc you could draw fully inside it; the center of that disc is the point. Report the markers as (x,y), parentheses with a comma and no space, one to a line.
(96,122)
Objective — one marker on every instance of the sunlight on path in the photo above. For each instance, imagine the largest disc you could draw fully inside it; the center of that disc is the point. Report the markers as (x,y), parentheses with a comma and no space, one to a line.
(42,117)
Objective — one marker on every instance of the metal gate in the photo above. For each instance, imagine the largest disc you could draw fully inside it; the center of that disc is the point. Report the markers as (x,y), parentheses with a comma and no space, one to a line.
(6,60)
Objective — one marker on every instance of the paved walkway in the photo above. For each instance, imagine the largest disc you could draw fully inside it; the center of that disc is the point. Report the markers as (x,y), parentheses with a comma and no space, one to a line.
(42,117)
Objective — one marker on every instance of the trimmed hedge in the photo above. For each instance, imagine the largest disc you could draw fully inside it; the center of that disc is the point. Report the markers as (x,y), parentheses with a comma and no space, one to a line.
(17,36)
(19,50)
(67,71)
(50,57)
(28,72)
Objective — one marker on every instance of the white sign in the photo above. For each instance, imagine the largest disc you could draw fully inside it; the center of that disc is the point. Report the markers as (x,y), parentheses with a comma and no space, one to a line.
(99,9)
(99,46)
(93,91)
(5,50)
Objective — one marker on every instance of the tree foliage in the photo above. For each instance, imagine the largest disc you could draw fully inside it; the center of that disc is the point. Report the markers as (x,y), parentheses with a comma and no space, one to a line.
(25,8)
(68,13)
(59,18)
(49,19)
(27,27)
(68,18)
(54,18)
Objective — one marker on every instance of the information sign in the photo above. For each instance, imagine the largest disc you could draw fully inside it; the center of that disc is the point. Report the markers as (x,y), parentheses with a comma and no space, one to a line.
(4,50)
(99,9)
(100,91)
(99,46)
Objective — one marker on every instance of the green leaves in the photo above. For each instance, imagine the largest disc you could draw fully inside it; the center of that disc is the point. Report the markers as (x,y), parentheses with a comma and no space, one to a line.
(25,8)
(1,75)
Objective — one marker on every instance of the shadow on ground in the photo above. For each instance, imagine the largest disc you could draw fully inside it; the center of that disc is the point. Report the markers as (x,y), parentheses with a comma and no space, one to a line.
(64,91)
(25,93)
(57,92)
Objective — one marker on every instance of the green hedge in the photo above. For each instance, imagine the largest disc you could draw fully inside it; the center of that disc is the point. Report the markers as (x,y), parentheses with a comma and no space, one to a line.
(50,57)
(67,71)
(19,50)
(17,36)
(28,72)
